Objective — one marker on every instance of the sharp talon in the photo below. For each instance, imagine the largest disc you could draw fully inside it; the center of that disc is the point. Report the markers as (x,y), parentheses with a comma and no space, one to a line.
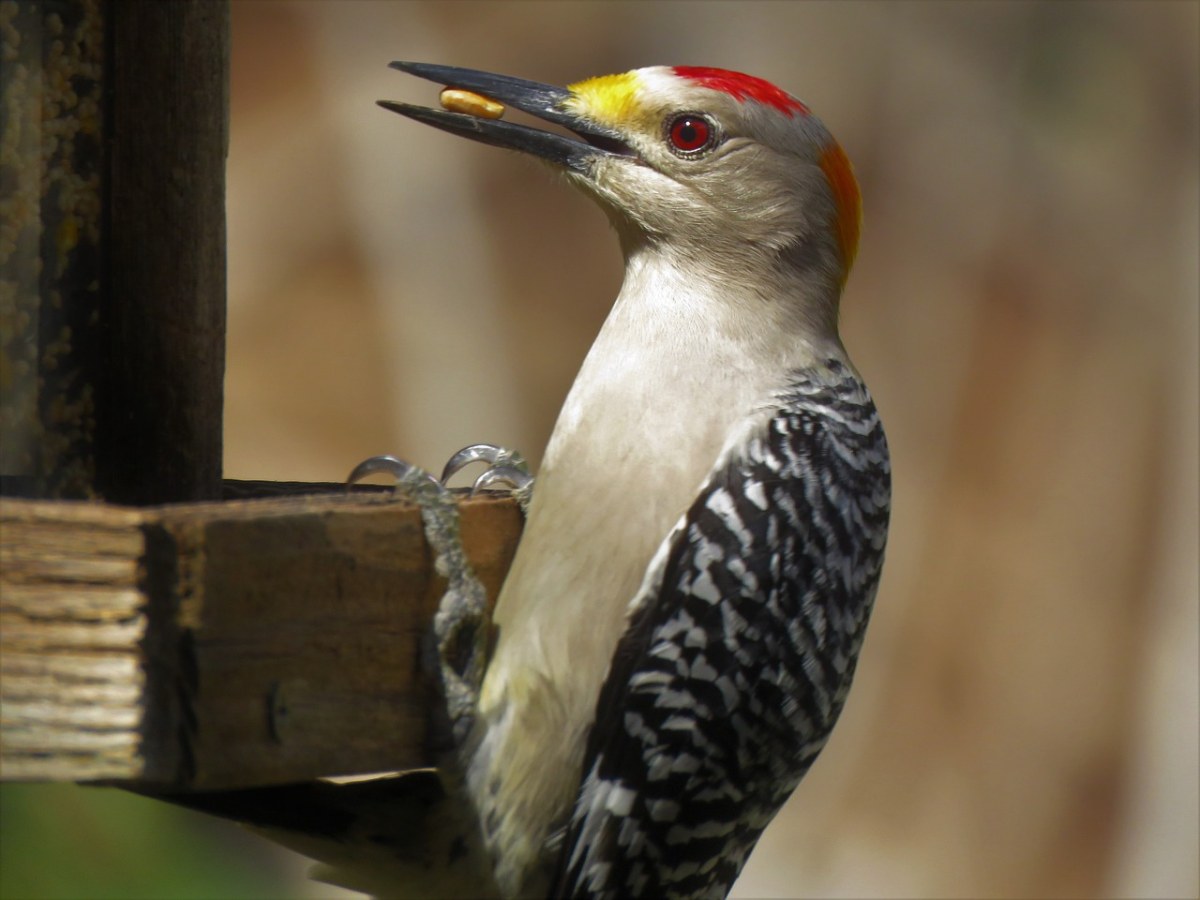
(511,476)
(505,468)
(390,465)
(488,453)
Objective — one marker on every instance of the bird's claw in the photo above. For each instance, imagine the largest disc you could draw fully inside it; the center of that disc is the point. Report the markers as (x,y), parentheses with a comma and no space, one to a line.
(460,624)
(489,453)
(403,472)
(505,467)
(515,479)
(460,627)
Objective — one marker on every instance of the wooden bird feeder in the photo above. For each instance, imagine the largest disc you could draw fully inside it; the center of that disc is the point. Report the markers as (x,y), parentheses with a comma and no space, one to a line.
(159,627)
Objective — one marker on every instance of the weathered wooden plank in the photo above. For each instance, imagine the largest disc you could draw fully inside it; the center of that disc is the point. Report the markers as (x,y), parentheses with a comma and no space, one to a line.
(216,645)
(72,616)
(85,602)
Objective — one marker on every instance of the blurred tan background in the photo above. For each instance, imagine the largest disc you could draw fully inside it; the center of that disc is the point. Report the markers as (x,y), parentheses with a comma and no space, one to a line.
(1025,309)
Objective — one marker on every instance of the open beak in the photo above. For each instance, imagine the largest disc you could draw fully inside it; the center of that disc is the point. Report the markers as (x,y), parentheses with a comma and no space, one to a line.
(545,101)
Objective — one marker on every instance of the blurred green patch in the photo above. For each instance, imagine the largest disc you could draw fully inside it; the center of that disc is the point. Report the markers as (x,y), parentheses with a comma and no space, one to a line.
(66,842)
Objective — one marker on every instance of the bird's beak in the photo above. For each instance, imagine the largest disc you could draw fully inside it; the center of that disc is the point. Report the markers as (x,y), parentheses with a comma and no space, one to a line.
(545,101)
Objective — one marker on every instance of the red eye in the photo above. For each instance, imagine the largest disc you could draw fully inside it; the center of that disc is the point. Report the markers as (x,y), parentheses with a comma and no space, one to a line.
(689,134)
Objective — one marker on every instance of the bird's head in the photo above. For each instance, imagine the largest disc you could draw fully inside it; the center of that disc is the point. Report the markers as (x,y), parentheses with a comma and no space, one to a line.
(698,160)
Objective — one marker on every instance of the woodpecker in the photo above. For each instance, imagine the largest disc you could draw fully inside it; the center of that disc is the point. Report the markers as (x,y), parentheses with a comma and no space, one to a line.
(682,620)
(683,617)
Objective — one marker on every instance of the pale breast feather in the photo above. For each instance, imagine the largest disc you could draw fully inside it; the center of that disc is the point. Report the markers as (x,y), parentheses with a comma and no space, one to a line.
(737,661)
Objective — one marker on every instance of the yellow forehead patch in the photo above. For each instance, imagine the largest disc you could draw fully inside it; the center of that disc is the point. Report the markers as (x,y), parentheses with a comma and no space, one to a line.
(606,99)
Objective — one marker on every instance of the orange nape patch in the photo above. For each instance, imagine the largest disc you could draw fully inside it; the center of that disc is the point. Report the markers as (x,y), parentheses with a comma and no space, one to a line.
(838,169)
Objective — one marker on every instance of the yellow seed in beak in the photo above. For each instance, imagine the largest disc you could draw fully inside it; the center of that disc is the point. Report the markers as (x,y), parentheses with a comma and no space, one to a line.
(470,103)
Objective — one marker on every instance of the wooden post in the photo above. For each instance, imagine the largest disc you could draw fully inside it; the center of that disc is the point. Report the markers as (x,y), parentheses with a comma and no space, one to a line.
(112,248)
(53,291)
(159,419)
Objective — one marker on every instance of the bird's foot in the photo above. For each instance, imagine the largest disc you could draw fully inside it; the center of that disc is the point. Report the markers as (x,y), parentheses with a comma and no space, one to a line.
(460,626)
(505,467)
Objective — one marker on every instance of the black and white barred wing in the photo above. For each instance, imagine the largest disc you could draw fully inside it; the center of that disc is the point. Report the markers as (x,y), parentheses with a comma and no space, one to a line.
(739,654)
